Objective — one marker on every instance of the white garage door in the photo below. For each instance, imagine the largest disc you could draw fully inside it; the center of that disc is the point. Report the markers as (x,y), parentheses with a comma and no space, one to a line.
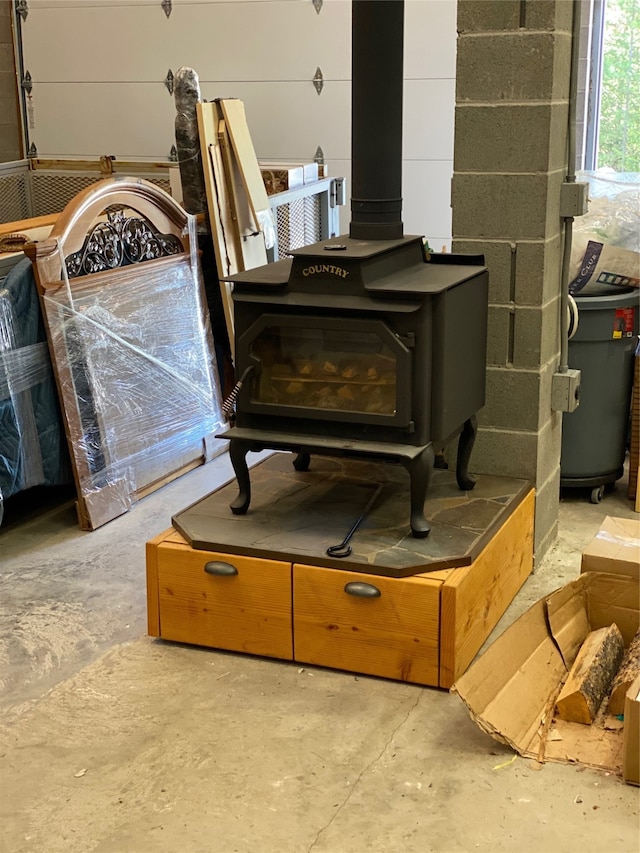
(98,69)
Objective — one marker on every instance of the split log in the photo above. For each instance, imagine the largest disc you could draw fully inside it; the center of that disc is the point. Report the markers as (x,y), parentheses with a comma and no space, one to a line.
(626,675)
(591,675)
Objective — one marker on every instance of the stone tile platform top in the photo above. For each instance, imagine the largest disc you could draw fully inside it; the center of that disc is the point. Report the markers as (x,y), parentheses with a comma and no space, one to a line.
(296,516)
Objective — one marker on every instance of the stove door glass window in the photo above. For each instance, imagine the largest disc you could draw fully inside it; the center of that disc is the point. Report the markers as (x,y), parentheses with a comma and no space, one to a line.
(325,369)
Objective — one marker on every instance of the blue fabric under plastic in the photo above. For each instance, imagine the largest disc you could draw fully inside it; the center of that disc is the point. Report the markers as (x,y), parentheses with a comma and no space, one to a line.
(33,448)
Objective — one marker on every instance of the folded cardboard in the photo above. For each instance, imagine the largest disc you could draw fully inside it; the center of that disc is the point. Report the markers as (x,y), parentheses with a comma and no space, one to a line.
(615,548)
(512,689)
(631,766)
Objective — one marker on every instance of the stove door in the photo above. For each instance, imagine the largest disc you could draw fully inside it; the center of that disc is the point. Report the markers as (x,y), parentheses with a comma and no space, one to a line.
(326,368)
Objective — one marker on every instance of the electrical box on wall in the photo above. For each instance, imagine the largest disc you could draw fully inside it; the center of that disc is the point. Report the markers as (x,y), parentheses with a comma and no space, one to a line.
(574,199)
(565,391)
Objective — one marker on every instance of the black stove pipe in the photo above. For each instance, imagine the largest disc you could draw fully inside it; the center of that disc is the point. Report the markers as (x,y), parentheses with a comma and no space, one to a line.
(377,44)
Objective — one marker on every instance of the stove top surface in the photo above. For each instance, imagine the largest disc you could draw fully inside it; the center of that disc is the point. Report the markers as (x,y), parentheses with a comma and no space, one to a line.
(361,267)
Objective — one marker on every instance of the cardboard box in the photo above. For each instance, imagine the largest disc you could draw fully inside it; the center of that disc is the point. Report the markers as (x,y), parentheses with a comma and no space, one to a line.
(280,177)
(631,765)
(615,548)
(512,689)
(311,172)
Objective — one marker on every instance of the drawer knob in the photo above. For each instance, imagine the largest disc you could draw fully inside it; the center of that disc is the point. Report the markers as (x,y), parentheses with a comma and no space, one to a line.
(225,570)
(362,590)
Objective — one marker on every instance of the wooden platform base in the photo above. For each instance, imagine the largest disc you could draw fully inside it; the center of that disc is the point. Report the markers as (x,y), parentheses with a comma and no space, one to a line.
(424,628)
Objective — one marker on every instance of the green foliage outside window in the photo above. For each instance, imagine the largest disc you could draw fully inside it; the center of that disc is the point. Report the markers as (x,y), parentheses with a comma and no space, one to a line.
(619,138)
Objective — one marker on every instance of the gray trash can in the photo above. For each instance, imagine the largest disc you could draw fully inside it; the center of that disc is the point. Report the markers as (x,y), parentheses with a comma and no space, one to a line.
(594,437)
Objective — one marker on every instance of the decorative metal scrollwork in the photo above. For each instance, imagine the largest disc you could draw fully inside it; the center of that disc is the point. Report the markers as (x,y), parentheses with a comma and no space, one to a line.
(119,242)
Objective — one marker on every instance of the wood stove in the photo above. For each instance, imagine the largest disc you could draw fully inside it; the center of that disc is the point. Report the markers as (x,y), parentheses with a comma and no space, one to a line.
(363,345)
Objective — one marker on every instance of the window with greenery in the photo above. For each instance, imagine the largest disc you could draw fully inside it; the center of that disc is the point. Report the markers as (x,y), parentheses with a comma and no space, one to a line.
(619,130)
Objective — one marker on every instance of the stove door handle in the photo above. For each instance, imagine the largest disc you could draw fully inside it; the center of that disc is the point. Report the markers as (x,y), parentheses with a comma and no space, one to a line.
(362,590)
(215,567)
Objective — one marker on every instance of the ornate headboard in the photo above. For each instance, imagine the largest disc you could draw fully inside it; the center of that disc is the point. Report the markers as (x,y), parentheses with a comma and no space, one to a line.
(130,340)
(122,240)
(112,223)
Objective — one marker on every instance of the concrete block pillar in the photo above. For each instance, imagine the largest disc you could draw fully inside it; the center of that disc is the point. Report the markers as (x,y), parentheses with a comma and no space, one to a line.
(512,88)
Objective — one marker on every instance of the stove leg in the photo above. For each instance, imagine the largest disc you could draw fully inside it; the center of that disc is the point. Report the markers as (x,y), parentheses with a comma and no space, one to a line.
(465,445)
(302,461)
(420,469)
(238,450)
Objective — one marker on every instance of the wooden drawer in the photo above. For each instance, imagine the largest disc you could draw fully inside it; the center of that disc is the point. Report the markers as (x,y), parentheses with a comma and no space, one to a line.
(222,600)
(425,629)
(393,633)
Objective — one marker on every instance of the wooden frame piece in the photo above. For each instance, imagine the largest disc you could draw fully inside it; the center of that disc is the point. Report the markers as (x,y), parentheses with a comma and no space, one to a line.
(130,342)
(221,219)
(108,165)
(21,225)
(238,242)
(252,180)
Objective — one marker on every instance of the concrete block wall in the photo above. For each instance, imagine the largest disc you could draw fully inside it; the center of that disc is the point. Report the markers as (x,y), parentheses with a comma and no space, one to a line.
(513,73)
(10,144)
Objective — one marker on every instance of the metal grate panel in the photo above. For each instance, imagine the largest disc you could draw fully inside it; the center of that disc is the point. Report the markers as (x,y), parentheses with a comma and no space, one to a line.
(163,183)
(312,220)
(298,223)
(52,191)
(14,197)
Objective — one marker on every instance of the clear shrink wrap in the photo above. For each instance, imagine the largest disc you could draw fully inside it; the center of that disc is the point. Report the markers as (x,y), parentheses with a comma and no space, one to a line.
(136,372)
(605,252)
(32,446)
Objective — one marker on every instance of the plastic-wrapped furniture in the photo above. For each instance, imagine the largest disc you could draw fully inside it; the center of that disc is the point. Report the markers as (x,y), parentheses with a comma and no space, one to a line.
(33,448)
(122,298)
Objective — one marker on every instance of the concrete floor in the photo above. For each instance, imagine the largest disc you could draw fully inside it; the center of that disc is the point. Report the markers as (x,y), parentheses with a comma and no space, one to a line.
(114,743)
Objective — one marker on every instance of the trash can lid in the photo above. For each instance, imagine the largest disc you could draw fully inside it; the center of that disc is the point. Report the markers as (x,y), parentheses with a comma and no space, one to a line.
(597,291)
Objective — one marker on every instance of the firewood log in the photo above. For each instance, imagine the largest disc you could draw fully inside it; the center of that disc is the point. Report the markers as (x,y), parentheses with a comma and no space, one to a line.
(626,675)
(591,675)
